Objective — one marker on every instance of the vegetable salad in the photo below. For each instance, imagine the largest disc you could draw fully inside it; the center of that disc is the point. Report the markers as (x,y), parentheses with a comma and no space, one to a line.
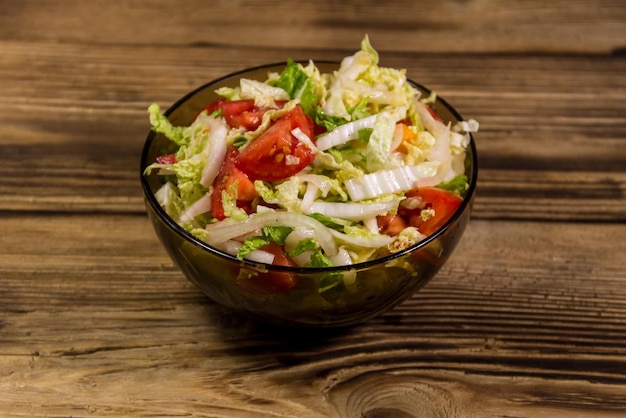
(314,169)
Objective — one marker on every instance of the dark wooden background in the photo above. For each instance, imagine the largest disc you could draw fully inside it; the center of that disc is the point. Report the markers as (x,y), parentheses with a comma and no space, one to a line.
(528,319)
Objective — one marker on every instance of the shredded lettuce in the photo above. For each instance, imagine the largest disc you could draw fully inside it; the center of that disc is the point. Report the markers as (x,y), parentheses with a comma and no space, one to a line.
(262,93)
(169,199)
(307,244)
(180,135)
(287,194)
(409,236)
(229,203)
(269,234)
(329,281)
(327,214)
(299,85)
(379,144)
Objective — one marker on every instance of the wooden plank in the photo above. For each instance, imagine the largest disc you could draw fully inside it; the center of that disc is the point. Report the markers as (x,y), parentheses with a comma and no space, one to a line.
(551,195)
(73,135)
(539,320)
(443,26)
(528,318)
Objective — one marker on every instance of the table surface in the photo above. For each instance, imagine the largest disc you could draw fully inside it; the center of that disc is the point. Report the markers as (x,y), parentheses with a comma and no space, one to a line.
(527,319)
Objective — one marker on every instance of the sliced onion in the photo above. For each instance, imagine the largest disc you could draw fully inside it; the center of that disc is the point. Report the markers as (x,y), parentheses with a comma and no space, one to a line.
(296,236)
(398,136)
(291,160)
(352,211)
(304,138)
(199,207)
(312,192)
(441,150)
(293,240)
(260,256)
(342,258)
(372,241)
(303,259)
(228,228)
(372,224)
(217,148)
(318,180)
(344,133)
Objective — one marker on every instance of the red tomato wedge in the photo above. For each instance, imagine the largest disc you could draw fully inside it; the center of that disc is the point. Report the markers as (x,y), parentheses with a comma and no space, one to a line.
(166,159)
(443,202)
(277,154)
(391,224)
(271,282)
(228,175)
(239,113)
(242,114)
(212,107)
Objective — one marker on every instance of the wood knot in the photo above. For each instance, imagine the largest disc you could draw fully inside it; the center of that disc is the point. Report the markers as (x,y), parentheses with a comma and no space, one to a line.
(392,396)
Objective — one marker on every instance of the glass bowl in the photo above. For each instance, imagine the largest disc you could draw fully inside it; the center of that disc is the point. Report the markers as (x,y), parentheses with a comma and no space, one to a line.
(375,286)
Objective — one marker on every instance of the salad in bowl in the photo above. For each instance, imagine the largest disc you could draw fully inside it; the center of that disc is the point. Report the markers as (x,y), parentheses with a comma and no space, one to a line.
(303,182)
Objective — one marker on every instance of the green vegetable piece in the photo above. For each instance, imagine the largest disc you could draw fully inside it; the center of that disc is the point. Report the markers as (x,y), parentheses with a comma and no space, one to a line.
(268,235)
(458,185)
(180,135)
(364,134)
(328,281)
(329,222)
(277,234)
(298,85)
(251,244)
(304,245)
(240,141)
(327,121)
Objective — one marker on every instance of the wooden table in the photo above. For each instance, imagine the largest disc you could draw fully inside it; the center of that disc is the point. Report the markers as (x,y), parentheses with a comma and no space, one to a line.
(528,318)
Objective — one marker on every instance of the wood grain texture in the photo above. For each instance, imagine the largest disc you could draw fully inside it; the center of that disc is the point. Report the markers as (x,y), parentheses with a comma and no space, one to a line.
(541,116)
(451,26)
(528,318)
(486,337)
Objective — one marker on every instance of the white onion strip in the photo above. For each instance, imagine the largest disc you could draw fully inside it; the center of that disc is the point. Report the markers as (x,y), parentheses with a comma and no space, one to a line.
(342,258)
(344,133)
(260,256)
(304,138)
(228,229)
(352,211)
(441,150)
(199,207)
(371,241)
(312,192)
(217,148)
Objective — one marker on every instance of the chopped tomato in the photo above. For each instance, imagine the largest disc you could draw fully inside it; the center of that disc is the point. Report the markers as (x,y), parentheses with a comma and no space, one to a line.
(442,202)
(240,113)
(271,282)
(228,175)
(390,224)
(277,154)
(237,113)
(212,107)
(166,159)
